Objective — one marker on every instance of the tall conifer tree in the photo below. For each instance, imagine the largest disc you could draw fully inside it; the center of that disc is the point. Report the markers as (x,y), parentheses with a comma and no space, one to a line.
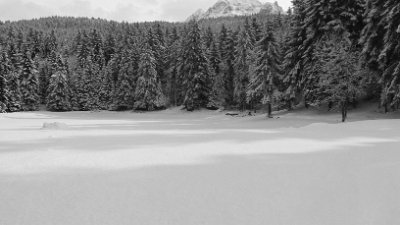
(243,53)
(148,94)
(266,71)
(196,72)
(29,83)
(59,93)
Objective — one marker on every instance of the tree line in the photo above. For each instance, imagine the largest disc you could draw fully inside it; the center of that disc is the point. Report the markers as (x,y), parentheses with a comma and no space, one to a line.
(322,52)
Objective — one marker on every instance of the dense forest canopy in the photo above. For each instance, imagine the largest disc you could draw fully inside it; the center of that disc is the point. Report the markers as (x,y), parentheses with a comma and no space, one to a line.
(322,52)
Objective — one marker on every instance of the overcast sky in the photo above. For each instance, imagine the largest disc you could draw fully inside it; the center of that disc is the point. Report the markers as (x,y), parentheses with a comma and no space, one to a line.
(120,10)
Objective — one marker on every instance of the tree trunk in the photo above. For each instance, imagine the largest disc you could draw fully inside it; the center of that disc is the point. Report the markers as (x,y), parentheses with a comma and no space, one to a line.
(330,106)
(269,110)
(354,101)
(344,111)
(306,103)
(289,105)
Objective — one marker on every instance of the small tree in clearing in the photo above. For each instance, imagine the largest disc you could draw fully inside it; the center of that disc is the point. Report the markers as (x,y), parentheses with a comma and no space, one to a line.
(343,79)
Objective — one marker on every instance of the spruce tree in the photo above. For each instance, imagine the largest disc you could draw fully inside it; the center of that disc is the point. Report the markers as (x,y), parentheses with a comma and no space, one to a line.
(59,93)
(97,49)
(266,71)
(12,77)
(86,85)
(157,45)
(248,28)
(197,82)
(173,53)
(3,94)
(148,93)
(50,44)
(160,35)
(109,48)
(294,62)
(123,97)
(383,20)
(322,18)
(226,45)
(243,53)
(86,79)
(29,83)
(208,38)
(83,50)
(373,33)
(217,75)
(106,88)
(341,78)
(15,96)
(49,66)
(256,30)
(5,69)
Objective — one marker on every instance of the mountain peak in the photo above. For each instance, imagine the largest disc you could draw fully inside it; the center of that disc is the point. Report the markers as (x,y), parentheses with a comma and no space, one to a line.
(226,8)
(197,15)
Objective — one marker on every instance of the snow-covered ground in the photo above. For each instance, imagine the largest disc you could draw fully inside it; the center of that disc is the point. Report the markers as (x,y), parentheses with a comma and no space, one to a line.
(202,168)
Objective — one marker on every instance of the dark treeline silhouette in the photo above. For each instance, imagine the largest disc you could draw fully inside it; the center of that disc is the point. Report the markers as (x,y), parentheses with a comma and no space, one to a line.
(325,52)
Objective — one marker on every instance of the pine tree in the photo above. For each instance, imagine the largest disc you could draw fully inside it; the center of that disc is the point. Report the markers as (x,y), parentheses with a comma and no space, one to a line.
(294,62)
(5,69)
(87,78)
(321,18)
(109,48)
(29,83)
(173,53)
(3,94)
(12,77)
(243,53)
(373,33)
(341,78)
(208,38)
(83,50)
(215,58)
(123,97)
(331,52)
(49,66)
(148,94)
(87,85)
(50,44)
(13,51)
(381,38)
(196,72)
(266,71)
(157,45)
(19,42)
(226,45)
(34,43)
(59,92)
(96,49)
(256,30)
(217,75)
(160,35)
(106,89)
(248,28)
(15,96)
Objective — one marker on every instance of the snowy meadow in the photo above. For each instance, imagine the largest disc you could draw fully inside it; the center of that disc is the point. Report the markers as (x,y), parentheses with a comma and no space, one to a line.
(175,167)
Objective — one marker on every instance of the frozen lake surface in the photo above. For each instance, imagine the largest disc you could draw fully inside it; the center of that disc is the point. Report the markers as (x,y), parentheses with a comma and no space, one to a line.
(202,168)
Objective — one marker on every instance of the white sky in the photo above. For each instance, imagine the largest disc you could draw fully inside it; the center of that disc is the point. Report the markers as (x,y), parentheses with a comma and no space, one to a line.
(120,10)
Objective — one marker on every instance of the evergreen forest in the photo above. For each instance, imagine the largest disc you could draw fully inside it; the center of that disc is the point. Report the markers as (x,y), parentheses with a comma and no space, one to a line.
(331,53)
